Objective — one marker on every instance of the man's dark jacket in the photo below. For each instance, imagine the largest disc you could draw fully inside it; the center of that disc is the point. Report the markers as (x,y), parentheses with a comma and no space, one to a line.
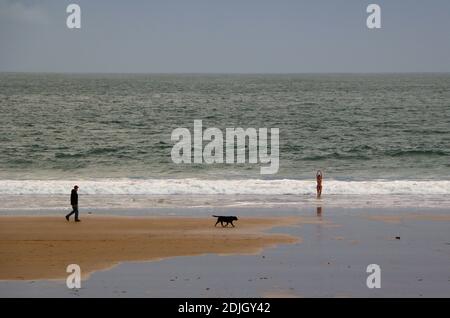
(74,197)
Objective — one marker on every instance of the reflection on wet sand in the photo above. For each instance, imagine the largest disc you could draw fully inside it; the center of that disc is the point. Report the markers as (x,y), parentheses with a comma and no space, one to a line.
(319,225)
(319,212)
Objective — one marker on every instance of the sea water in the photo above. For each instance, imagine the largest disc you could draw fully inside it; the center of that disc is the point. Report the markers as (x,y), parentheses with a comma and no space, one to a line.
(380,136)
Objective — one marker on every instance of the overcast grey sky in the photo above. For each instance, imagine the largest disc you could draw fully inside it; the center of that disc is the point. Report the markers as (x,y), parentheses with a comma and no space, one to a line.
(226,36)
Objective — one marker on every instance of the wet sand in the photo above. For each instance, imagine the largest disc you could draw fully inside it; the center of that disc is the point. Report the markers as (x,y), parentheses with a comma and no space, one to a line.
(38,247)
(396,219)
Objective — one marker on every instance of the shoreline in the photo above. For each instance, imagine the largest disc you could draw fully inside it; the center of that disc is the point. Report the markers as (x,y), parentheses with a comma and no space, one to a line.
(41,247)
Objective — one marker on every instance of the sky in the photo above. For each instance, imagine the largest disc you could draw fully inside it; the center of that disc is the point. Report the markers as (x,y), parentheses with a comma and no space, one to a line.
(225,36)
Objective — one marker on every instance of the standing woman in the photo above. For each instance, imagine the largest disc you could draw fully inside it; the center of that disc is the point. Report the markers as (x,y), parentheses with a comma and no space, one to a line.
(319,177)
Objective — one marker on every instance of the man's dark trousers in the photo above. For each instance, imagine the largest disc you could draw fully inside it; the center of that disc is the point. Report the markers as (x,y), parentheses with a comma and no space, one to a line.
(74,210)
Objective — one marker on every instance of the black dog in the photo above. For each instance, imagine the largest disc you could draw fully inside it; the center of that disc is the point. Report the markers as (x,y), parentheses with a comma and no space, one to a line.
(225,219)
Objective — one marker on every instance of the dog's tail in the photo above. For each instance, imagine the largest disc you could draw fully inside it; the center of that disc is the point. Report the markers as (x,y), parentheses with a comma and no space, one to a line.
(216,216)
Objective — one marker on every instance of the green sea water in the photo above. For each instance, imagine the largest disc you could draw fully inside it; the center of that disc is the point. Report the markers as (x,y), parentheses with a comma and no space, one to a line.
(355,127)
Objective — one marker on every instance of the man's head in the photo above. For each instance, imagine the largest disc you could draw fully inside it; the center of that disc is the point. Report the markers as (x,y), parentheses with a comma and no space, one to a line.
(75,188)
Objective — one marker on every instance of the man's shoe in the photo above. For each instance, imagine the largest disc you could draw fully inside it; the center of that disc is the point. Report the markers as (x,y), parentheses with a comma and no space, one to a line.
(67,217)
(77,220)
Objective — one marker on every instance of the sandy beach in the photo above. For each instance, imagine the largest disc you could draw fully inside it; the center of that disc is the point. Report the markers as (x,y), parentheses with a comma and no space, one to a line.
(42,247)
(298,253)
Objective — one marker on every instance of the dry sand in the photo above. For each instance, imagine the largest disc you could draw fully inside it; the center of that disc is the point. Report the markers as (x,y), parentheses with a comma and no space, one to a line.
(42,247)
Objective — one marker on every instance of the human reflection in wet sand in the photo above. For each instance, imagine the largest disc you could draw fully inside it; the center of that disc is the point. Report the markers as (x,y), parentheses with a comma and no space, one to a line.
(319,224)
(319,212)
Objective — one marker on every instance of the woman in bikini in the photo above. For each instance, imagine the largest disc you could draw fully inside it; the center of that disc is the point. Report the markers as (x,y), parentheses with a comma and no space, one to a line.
(319,177)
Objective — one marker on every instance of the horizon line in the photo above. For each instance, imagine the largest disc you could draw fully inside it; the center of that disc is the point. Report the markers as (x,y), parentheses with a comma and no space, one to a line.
(220,73)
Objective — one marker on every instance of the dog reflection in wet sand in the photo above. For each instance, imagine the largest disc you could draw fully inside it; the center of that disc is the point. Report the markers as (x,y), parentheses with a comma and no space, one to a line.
(225,220)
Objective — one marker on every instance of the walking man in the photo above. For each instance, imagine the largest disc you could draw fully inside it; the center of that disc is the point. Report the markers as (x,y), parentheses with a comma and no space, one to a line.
(74,203)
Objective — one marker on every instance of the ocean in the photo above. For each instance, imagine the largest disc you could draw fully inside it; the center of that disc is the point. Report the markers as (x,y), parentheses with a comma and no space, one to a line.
(374,136)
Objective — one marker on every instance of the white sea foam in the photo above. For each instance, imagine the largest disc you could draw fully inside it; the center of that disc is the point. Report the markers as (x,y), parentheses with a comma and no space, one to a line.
(222,187)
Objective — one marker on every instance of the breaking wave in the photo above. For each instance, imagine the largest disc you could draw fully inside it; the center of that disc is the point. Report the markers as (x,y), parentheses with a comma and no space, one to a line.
(222,187)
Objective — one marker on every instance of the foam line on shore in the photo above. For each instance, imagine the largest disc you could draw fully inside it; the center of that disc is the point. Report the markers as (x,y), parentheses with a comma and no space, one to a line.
(192,186)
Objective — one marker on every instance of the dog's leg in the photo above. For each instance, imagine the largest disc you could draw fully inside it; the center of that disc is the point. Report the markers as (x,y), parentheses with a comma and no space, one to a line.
(216,223)
(232,224)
